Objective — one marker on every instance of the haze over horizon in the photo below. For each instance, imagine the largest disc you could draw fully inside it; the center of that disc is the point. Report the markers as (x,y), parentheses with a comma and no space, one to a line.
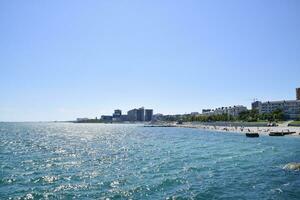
(60,60)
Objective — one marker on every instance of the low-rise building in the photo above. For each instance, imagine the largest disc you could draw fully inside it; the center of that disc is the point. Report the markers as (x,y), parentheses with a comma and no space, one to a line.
(256,105)
(195,113)
(236,110)
(290,108)
(106,118)
(206,111)
(124,118)
(117,113)
(82,119)
(157,117)
(231,110)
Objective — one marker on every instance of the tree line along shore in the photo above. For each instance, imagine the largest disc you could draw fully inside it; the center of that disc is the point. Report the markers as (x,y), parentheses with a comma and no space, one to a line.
(248,118)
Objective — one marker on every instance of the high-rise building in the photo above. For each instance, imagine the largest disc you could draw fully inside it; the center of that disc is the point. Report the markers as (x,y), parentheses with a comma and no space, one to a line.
(148,115)
(141,114)
(298,93)
(132,115)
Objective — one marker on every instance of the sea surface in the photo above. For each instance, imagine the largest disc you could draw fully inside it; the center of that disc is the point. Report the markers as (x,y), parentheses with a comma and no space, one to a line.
(105,161)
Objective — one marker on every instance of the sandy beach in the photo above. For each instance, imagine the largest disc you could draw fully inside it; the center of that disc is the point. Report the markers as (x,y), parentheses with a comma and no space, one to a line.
(240,129)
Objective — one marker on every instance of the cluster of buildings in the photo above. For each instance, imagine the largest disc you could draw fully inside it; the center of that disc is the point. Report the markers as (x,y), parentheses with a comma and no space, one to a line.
(134,115)
(231,110)
(290,108)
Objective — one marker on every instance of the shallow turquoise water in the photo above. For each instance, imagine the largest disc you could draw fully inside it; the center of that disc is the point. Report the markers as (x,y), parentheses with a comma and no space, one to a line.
(97,161)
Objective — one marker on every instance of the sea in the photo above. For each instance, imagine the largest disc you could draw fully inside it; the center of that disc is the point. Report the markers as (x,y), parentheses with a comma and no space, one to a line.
(130,161)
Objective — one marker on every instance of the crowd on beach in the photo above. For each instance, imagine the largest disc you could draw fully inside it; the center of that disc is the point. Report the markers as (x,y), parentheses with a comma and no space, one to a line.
(242,129)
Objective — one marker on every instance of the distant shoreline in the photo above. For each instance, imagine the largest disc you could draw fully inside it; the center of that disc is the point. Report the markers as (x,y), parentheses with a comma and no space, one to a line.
(238,128)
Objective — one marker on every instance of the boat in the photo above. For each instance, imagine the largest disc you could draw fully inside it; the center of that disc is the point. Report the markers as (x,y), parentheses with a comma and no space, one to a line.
(282,133)
(252,135)
(276,134)
(289,132)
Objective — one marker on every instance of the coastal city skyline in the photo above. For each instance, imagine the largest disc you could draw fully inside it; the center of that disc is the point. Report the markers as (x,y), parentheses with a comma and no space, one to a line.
(59,61)
(133,115)
(266,106)
(290,109)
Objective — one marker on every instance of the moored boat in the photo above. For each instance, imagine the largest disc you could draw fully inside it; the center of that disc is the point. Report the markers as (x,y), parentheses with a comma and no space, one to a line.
(289,132)
(252,135)
(282,133)
(276,134)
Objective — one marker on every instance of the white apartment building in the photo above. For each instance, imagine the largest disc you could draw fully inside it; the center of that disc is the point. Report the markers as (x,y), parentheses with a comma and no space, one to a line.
(231,110)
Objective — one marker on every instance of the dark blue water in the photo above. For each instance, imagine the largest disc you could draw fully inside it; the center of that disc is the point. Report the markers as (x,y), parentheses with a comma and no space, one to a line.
(96,161)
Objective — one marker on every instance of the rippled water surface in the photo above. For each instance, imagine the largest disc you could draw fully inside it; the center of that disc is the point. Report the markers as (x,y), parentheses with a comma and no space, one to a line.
(98,161)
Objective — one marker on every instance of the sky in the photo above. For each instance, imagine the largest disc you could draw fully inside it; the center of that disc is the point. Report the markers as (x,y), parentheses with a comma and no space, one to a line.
(60,60)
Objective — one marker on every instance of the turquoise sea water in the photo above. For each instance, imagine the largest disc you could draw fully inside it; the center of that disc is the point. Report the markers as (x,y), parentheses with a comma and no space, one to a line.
(98,161)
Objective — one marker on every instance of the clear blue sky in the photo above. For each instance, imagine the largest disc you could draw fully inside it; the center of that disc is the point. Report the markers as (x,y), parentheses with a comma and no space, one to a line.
(65,59)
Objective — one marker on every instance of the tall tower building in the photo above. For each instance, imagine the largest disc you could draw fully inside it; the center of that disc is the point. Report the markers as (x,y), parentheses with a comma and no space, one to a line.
(148,114)
(132,115)
(298,93)
(141,114)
